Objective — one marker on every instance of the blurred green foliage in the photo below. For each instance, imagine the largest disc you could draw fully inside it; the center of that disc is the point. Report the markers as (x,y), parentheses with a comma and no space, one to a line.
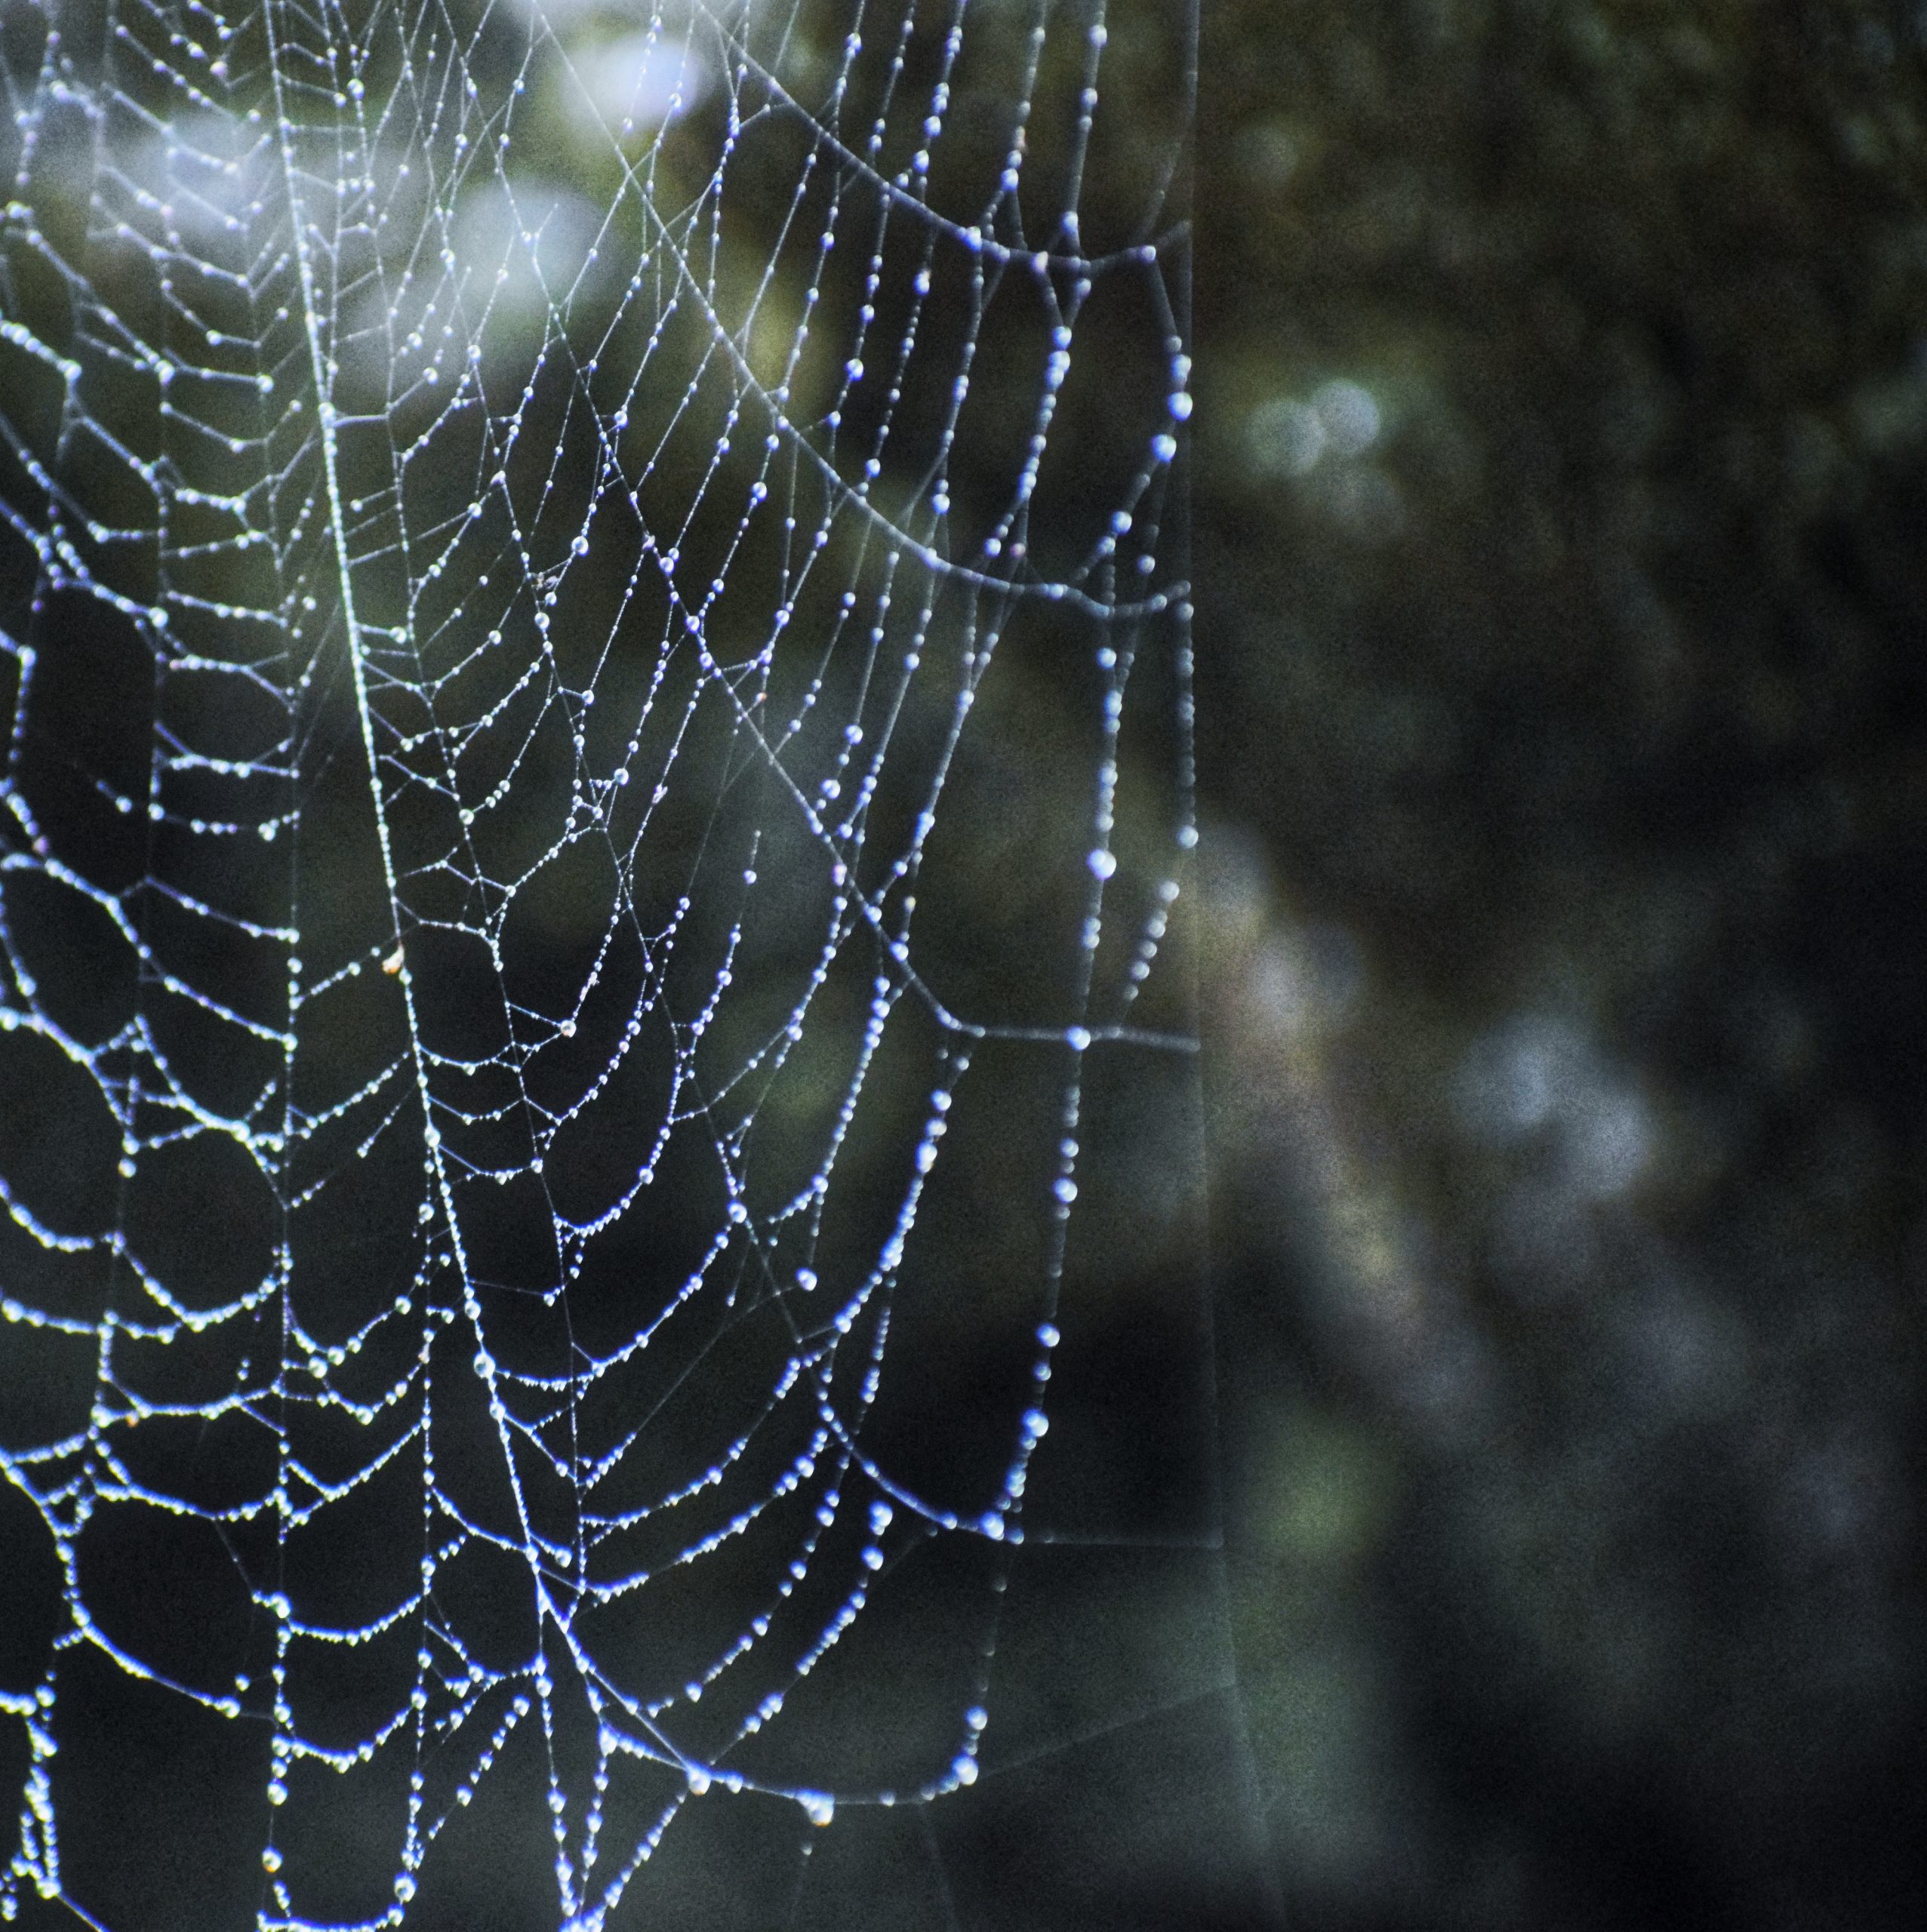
(1560,501)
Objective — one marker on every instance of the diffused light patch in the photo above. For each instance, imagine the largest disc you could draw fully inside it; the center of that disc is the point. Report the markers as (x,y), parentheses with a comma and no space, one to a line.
(201,171)
(524,247)
(1349,415)
(1305,979)
(668,18)
(645,80)
(1285,437)
(1610,1143)
(1289,436)
(1537,1079)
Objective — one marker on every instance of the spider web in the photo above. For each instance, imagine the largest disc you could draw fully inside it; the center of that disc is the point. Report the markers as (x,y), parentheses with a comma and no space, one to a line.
(598,772)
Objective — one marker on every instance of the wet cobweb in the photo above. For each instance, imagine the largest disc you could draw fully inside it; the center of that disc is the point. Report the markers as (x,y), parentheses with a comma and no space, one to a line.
(598,1111)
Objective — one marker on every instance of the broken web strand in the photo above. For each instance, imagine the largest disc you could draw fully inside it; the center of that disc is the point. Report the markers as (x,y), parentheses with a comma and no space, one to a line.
(442,1217)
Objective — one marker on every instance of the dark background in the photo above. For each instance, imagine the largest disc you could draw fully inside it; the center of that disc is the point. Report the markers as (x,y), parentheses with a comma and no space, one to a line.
(1566,750)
